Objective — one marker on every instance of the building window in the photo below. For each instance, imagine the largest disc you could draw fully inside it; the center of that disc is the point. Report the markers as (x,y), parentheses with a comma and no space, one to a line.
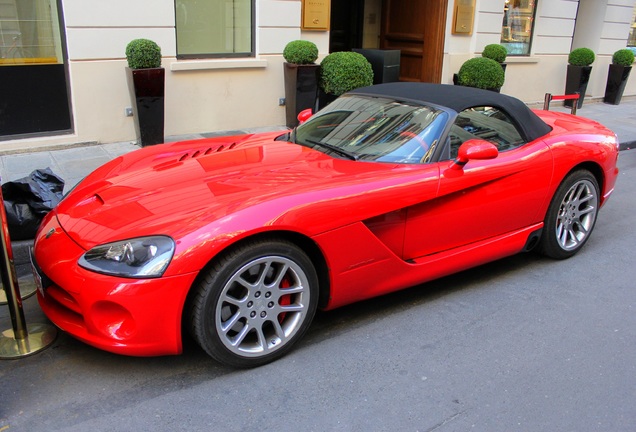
(29,32)
(631,41)
(214,28)
(518,24)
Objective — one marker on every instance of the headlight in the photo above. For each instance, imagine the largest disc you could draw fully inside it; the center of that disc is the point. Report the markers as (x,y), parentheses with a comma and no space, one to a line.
(143,257)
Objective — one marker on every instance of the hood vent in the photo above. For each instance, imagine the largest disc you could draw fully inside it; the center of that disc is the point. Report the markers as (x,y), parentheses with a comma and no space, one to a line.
(206,152)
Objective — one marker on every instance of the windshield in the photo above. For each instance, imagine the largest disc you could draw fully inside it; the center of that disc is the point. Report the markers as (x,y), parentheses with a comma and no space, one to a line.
(374,129)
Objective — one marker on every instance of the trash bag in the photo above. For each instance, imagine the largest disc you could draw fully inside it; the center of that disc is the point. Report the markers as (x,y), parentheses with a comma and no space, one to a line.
(29,199)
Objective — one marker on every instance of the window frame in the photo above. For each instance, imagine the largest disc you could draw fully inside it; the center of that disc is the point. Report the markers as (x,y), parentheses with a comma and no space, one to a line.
(202,56)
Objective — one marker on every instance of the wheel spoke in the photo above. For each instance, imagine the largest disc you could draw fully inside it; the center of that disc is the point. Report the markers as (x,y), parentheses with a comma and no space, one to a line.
(238,339)
(228,324)
(262,339)
(246,284)
(573,237)
(264,270)
(586,210)
(292,290)
(233,301)
(278,330)
(292,308)
(563,237)
(582,229)
(279,277)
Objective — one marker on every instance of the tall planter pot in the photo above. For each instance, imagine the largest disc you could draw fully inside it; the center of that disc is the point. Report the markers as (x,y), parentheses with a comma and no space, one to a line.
(147,89)
(616,82)
(301,90)
(576,81)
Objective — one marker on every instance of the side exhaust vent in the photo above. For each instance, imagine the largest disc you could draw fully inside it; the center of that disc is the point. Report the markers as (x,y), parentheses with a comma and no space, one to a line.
(533,240)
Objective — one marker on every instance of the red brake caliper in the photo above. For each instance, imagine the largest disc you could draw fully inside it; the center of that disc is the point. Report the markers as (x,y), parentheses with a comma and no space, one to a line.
(284,300)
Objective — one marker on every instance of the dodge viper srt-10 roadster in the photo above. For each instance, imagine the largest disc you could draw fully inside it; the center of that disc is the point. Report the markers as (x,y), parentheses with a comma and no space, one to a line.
(239,240)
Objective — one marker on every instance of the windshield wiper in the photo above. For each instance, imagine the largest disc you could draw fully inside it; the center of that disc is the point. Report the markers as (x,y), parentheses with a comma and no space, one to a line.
(334,148)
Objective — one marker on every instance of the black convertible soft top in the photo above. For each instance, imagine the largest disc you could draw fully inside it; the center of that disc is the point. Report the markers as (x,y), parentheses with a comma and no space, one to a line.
(459,98)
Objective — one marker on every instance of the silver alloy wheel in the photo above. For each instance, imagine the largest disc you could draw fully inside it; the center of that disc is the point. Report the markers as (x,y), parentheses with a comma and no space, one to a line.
(577,214)
(262,306)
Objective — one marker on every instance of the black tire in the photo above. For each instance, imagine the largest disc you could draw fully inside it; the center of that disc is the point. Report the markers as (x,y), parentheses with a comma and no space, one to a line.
(254,303)
(571,216)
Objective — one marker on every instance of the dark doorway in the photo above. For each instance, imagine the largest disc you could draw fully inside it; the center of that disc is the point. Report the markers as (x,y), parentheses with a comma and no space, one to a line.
(415,27)
(347,20)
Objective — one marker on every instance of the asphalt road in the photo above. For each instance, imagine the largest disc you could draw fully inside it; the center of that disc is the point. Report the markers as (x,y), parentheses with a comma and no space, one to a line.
(525,344)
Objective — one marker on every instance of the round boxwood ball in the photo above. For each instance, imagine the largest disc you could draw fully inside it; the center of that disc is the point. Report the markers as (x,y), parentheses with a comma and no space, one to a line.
(581,57)
(143,54)
(482,73)
(300,52)
(343,71)
(496,52)
(623,57)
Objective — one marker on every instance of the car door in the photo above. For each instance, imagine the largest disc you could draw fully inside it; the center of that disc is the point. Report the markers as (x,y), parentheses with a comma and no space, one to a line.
(486,198)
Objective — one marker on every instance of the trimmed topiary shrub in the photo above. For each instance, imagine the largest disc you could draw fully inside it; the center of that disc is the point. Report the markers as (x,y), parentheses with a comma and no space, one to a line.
(623,57)
(581,57)
(343,71)
(143,54)
(300,52)
(495,52)
(481,72)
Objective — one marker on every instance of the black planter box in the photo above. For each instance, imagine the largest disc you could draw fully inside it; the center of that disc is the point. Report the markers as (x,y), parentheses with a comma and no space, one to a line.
(147,89)
(616,82)
(301,90)
(576,81)
(325,99)
(384,63)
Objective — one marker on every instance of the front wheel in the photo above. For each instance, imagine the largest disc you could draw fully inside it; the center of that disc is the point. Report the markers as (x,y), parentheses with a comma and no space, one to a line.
(571,216)
(254,303)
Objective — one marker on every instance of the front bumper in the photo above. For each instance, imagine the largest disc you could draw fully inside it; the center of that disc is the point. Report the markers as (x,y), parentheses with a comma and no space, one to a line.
(139,317)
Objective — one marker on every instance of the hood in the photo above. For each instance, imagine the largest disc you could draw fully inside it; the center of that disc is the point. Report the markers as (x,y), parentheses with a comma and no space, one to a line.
(176,189)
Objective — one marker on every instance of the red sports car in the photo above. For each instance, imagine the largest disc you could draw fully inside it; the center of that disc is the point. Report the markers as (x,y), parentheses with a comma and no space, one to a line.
(238,240)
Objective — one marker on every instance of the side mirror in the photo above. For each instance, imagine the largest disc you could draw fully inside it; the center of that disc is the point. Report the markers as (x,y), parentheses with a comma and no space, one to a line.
(474,149)
(304,115)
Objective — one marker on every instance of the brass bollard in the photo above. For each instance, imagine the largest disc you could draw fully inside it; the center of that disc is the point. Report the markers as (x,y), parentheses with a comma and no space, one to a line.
(21,340)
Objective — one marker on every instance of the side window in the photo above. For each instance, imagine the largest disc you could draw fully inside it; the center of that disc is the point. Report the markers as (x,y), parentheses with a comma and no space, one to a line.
(487,123)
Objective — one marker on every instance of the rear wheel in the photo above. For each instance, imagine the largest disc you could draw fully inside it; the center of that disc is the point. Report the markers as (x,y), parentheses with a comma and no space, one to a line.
(571,216)
(254,303)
